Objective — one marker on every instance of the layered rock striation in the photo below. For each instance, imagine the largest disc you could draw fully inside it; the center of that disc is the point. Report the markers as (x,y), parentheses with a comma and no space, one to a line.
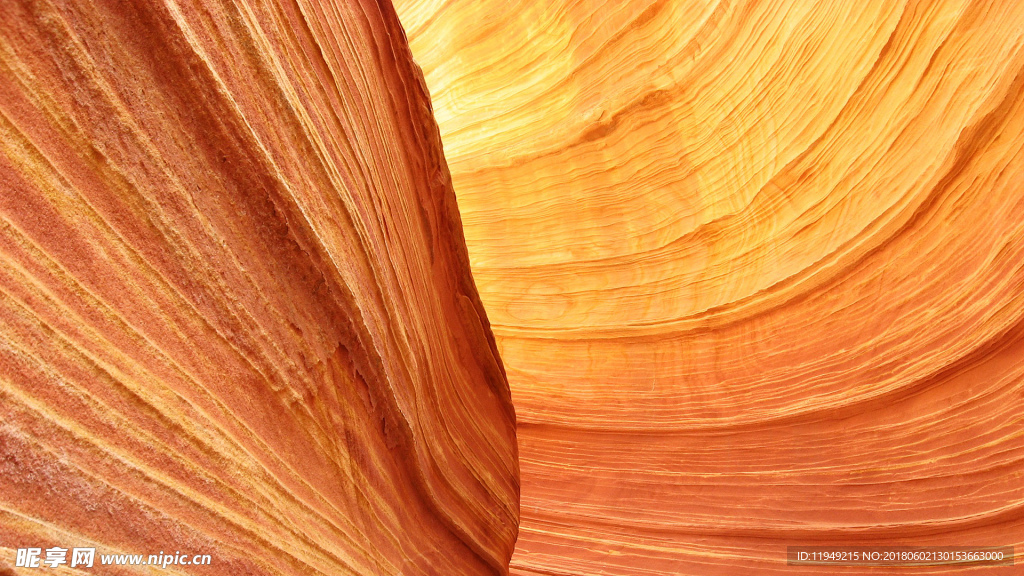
(236,310)
(755,269)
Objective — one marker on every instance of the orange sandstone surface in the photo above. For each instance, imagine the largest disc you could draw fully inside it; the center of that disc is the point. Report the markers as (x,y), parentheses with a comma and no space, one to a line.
(236,310)
(755,270)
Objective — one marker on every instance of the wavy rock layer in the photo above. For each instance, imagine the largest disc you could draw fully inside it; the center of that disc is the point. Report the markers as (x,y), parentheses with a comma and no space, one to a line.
(236,314)
(756,269)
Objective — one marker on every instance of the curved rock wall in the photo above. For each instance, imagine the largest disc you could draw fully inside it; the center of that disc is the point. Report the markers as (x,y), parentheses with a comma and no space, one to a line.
(236,313)
(755,269)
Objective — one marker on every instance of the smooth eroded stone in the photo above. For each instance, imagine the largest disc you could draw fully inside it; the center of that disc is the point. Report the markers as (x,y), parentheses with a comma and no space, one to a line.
(754,269)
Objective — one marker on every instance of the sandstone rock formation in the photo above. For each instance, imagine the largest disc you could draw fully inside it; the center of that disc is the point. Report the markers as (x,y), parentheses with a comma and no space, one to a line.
(236,314)
(755,269)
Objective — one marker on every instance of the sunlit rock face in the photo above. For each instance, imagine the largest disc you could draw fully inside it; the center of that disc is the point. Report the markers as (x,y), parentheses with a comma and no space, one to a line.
(755,269)
(236,310)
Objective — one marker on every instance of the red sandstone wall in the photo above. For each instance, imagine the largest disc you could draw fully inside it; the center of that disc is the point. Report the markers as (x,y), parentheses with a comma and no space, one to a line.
(236,314)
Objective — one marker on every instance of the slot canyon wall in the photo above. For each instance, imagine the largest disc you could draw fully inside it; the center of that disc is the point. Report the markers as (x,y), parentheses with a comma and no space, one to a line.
(236,310)
(755,270)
